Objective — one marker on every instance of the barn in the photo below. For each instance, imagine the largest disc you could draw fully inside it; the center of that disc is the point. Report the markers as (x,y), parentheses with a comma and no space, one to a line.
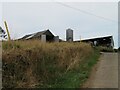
(44,36)
(106,41)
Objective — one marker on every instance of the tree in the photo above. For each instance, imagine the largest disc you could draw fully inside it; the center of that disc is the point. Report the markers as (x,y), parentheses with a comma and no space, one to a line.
(3,33)
(119,49)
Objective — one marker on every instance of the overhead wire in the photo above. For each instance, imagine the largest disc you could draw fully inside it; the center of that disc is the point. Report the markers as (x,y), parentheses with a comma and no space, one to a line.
(86,12)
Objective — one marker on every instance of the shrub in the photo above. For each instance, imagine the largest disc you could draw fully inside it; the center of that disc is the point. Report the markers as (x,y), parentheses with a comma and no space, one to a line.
(106,49)
(32,63)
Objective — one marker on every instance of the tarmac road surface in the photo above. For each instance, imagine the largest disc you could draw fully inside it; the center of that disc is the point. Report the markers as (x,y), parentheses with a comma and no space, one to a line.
(105,72)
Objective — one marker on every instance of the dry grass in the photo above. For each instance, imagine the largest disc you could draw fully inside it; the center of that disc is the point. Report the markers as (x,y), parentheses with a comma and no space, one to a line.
(32,63)
(105,49)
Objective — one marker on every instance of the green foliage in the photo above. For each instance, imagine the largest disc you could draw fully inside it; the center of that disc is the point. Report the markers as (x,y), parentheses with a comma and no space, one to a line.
(119,49)
(105,49)
(47,65)
(8,45)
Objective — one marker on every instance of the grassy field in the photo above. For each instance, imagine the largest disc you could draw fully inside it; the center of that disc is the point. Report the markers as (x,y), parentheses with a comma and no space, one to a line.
(47,65)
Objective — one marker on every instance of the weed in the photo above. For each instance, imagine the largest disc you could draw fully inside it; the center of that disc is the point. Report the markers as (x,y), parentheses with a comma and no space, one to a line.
(36,64)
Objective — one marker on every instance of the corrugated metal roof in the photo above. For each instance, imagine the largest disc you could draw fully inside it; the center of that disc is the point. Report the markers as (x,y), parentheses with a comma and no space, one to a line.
(32,35)
(93,38)
(36,34)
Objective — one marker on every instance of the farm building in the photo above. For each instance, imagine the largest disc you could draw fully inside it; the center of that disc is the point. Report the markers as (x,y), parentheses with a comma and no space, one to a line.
(69,35)
(43,36)
(47,36)
(106,41)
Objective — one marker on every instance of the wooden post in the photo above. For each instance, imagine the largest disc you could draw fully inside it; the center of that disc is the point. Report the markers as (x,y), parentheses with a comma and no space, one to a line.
(7,30)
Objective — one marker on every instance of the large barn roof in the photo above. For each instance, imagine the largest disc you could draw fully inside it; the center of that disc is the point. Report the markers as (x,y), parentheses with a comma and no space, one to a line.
(95,38)
(29,36)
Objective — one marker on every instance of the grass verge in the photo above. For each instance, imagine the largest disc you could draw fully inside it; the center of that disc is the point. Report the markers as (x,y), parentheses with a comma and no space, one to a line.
(76,78)
(46,65)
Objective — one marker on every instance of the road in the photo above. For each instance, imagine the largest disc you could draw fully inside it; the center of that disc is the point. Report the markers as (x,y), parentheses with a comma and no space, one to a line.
(105,72)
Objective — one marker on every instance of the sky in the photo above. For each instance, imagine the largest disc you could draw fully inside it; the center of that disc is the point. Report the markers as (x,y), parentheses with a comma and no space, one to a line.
(87,19)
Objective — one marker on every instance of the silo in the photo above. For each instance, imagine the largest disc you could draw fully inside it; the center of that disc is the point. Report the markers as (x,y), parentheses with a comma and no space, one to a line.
(56,38)
(43,38)
(69,35)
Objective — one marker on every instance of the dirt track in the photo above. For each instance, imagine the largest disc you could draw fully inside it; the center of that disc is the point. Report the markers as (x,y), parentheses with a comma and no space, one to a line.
(105,72)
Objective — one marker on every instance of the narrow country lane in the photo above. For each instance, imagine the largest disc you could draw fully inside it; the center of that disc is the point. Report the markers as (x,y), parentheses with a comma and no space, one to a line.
(105,72)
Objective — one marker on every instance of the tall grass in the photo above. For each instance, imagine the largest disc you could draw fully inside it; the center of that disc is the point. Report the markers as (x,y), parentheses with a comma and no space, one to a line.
(36,64)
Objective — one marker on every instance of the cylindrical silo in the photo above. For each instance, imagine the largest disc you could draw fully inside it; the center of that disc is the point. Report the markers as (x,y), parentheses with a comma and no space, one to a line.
(69,35)
(56,38)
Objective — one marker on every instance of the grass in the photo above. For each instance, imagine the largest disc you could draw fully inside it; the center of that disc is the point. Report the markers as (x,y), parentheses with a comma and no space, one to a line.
(75,78)
(46,65)
(106,49)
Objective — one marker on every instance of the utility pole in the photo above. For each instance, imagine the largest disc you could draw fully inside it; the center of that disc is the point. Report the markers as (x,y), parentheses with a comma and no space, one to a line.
(7,30)
(80,38)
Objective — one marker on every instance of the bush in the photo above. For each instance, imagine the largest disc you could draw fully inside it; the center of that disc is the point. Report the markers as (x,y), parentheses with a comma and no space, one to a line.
(105,49)
(36,64)
(119,49)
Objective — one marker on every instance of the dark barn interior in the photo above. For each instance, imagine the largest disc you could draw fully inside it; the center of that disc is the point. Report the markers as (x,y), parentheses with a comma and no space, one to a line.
(49,36)
(101,41)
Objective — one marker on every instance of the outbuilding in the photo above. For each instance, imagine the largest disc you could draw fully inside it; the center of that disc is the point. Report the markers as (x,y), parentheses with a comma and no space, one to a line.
(106,41)
(44,36)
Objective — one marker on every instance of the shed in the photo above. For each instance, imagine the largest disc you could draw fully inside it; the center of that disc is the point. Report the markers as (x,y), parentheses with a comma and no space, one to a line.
(106,41)
(43,35)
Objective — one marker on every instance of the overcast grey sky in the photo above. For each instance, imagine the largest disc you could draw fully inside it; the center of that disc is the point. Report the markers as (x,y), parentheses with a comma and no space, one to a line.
(87,19)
